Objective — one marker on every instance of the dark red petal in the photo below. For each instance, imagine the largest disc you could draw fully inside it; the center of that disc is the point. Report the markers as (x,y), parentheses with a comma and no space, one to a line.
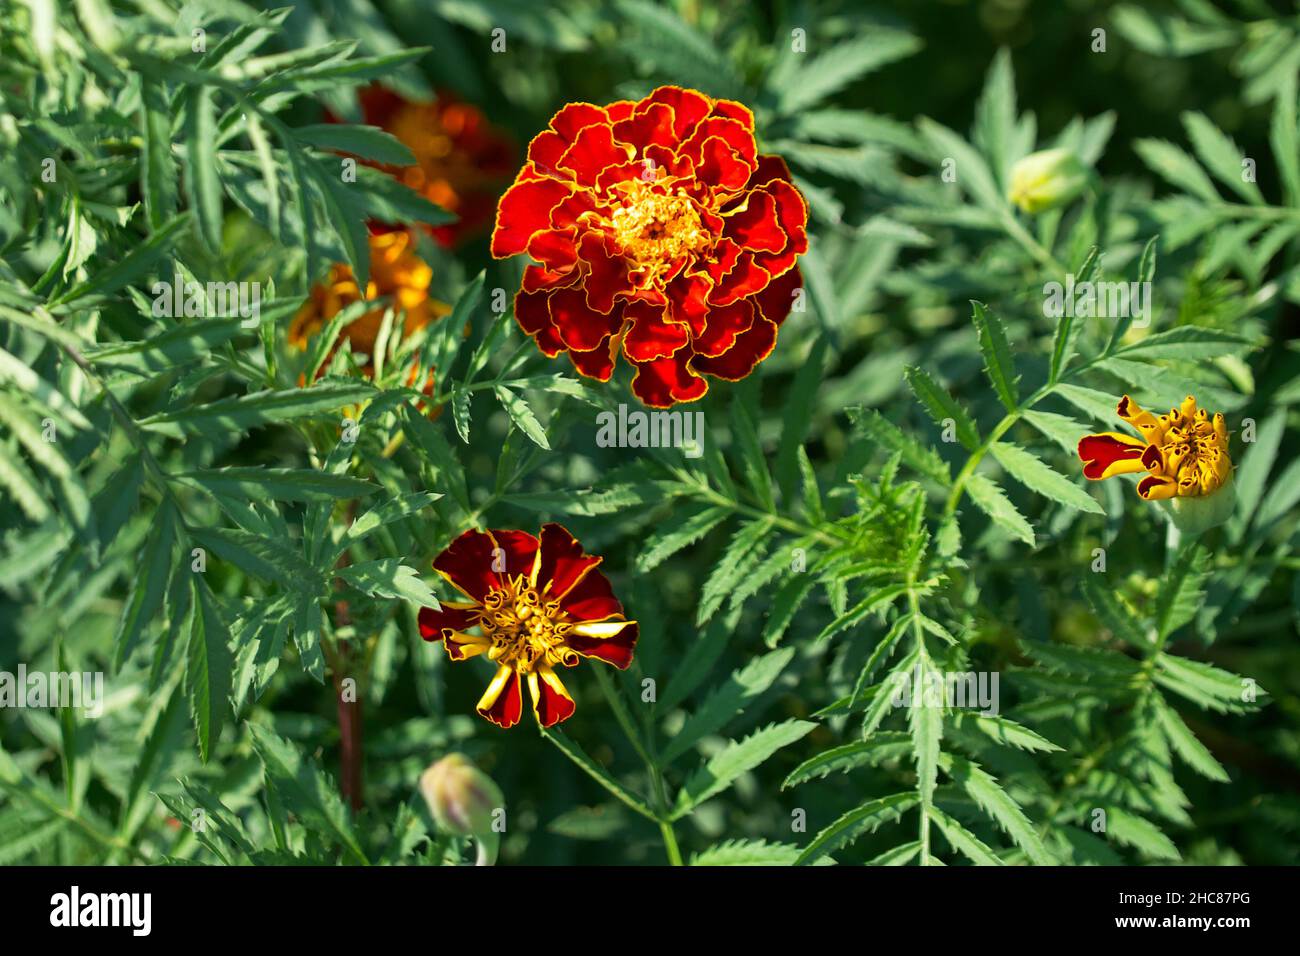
(591,152)
(551,702)
(769,168)
(524,209)
(736,111)
(726,324)
(506,710)
(596,363)
(534,317)
(563,562)
(607,277)
(591,599)
(722,166)
(652,335)
(755,226)
(574,117)
(777,297)
(433,623)
(580,327)
(617,650)
(733,132)
(518,551)
(742,281)
(649,124)
(793,214)
(667,381)
(688,301)
(467,564)
(750,349)
(689,107)
(554,248)
(1099,452)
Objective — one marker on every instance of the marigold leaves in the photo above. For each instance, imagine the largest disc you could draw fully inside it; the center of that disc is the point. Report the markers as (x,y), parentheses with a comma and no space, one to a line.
(998,363)
(369,142)
(1176,167)
(879,654)
(1062,429)
(18,373)
(738,691)
(209,667)
(261,408)
(148,589)
(746,853)
(849,756)
(157,170)
(942,406)
(202,182)
(1038,476)
(1140,833)
(1114,612)
(683,528)
(1186,744)
(1207,686)
(889,437)
(866,818)
(1188,342)
(993,501)
(522,416)
(785,604)
(394,509)
(1005,731)
(752,463)
(735,759)
(262,558)
(1085,662)
(389,578)
(963,841)
(877,599)
(1221,156)
(1251,476)
(742,555)
(282,484)
(900,855)
(1099,405)
(306,790)
(927,729)
(800,409)
(999,806)
(1182,592)
(974,174)
(571,749)
(839,66)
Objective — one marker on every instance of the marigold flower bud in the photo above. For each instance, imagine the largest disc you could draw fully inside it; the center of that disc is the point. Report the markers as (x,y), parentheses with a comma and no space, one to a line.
(461,797)
(1047,180)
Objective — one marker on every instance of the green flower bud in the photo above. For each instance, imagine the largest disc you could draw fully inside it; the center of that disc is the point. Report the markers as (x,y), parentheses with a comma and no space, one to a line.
(1047,179)
(462,798)
(1195,515)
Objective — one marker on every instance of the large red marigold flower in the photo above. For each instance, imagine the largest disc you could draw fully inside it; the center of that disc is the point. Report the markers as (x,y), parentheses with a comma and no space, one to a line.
(659,231)
(535,604)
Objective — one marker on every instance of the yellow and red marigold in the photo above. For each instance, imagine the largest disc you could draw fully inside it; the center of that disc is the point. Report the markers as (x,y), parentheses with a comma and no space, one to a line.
(659,231)
(396,273)
(1185,452)
(535,604)
(461,160)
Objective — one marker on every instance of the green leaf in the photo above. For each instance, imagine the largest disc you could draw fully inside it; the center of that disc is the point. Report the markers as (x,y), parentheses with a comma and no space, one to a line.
(926,722)
(737,758)
(1037,476)
(522,416)
(1221,156)
(994,503)
(1132,830)
(1204,684)
(368,142)
(260,557)
(1004,811)
(1187,745)
(1114,612)
(1186,342)
(307,792)
(389,578)
(997,354)
(942,406)
(282,484)
(208,670)
(866,818)
(202,182)
(1005,731)
(890,438)
(842,64)
(741,688)
(259,408)
(1182,592)
(683,528)
(1177,168)
(963,840)
(157,170)
(846,757)
(789,596)
(156,564)
(746,853)
(740,558)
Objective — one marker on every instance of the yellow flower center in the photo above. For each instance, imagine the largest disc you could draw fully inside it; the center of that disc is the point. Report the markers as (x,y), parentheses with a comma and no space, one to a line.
(525,632)
(1192,450)
(656,228)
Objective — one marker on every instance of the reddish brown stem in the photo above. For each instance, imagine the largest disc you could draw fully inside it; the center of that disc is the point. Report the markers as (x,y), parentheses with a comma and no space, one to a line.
(351,748)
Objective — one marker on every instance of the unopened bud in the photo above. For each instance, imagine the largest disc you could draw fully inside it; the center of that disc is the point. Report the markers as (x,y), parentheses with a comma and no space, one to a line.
(1198,514)
(1047,179)
(461,797)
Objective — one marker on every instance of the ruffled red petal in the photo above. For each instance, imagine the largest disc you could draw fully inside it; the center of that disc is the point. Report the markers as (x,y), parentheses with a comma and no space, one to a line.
(433,624)
(581,327)
(524,209)
(563,563)
(751,348)
(652,334)
(666,381)
(616,650)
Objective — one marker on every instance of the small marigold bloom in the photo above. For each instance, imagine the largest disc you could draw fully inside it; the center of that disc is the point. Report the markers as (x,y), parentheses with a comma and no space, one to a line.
(1185,452)
(659,231)
(462,160)
(537,603)
(396,273)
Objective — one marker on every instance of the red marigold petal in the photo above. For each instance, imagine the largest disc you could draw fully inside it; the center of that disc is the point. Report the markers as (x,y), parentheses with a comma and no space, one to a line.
(447,618)
(533,314)
(573,118)
(516,554)
(730,131)
(689,107)
(769,168)
(563,562)
(722,166)
(651,124)
(652,334)
(597,363)
(777,298)
(616,650)
(666,381)
(725,256)
(554,248)
(581,327)
(545,150)
(541,279)
(593,151)
(551,701)
(503,701)
(688,301)
(467,564)
(754,224)
(568,210)
(745,278)
(608,275)
(1110,453)
(792,211)
(751,348)
(524,209)
(726,324)
(591,599)
(736,111)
